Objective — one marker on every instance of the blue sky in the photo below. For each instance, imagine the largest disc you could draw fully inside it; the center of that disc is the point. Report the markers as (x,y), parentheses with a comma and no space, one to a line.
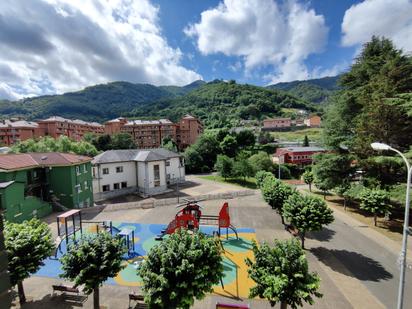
(56,46)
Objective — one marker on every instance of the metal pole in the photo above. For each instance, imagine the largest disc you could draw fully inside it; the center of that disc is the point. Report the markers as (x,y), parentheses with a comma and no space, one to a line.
(402,256)
(279,167)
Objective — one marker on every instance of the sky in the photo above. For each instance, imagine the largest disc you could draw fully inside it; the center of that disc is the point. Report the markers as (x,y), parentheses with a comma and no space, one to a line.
(57,46)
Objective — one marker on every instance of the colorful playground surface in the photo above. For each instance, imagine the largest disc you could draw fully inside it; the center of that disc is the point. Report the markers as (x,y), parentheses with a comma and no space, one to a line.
(235,280)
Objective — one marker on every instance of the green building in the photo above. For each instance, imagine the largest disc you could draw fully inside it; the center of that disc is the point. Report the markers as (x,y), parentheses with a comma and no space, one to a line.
(5,296)
(31,183)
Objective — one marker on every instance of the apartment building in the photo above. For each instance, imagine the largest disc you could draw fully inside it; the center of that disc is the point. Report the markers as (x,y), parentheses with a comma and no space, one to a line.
(188,130)
(56,126)
(15,130)
(150,133)
(277,123)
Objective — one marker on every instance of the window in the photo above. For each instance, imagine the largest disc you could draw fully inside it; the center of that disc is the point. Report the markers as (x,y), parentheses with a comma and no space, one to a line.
(119,169)
(77,170)
(106,188)
(124,184)
(116,186)
(84,168)
(168,163)
(105,171)
(94,172)
(157,183)
(78,188)
(86,185)
(156,171)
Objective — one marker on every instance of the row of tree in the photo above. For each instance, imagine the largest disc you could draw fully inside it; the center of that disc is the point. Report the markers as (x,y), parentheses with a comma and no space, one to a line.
(178,270)
(303,212)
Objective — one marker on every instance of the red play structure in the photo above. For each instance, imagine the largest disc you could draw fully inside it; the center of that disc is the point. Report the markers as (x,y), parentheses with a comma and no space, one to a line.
(190,217)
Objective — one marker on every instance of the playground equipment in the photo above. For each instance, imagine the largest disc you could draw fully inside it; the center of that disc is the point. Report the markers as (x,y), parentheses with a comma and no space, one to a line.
(190,217)
(70,222)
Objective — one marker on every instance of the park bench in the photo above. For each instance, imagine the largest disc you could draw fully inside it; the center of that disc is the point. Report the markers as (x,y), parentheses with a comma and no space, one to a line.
(73,297)
(139,299)
(65,289)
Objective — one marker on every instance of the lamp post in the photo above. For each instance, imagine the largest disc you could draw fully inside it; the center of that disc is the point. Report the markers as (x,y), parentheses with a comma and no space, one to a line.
(402,256)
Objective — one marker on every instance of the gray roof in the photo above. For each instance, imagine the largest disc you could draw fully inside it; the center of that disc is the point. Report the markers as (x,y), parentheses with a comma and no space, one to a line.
(141,155)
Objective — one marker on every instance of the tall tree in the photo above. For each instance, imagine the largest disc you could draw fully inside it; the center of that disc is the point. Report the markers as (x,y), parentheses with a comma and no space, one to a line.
(308,179)
(281,274)
(306,141)
(180,269)
(245,138)
(92,260)
(307,213)
(261,162)
(27,245)
(361,113)
(229,146)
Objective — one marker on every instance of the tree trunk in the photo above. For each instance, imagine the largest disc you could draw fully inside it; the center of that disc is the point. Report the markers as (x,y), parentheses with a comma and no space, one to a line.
(20,289)
(310,187)
(302,238)
(96,299)
(283,305)
(375,219)
(344,204)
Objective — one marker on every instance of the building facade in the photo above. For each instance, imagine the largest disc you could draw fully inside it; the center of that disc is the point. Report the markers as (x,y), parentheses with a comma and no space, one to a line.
(75,129)
(277,123)
(30,183)
(313,121)
(146,172)
(296,155)
(149,134)
(13,131)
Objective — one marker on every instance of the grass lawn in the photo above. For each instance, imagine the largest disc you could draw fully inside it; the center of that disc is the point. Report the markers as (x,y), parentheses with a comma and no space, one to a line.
(249,183)
(314,135)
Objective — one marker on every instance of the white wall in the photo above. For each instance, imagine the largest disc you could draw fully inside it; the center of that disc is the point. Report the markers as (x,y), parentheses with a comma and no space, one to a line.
(150,166)
(128,175)
(173,170)
(141,174)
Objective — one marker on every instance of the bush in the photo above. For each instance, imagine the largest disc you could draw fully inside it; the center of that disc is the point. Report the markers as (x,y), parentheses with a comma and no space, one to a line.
(260,177)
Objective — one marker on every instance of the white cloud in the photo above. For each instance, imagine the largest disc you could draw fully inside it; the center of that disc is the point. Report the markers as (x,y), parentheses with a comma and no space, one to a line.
(262,33)
(392,19)
(49,46)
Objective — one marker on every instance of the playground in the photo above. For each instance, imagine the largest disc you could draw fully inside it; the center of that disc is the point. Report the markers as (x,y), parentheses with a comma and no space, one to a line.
(141,237)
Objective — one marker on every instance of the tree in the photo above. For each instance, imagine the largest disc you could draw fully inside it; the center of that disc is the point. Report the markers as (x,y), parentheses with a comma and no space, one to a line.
(181,268)
(169,144)
(245,138)
(306,141)
(224,166)
(27,245)
(193,160)
(261,162)
(92,260)
(103,142)
(61,144)
(208,148)
(308,179)
(281,274)
(122,141)
(331,170)
(242,168)
(375,201)
(229,146)
(265,138)
(260,177)
(307,213)
(275,193)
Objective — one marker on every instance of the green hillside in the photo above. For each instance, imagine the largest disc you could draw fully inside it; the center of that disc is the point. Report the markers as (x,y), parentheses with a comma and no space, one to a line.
(316,91)
(221,103)
(99,102)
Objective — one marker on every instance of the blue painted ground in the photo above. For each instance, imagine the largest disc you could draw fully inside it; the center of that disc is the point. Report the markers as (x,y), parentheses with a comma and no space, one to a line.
(144,240)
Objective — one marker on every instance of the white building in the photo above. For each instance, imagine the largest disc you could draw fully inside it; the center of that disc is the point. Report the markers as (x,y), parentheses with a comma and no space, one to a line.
(143,171)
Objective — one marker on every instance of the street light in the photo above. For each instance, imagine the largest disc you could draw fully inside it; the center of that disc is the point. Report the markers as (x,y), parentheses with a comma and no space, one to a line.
(402,256)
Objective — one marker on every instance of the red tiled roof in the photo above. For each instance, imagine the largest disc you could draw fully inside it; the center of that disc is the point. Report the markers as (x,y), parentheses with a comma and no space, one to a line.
(26,160)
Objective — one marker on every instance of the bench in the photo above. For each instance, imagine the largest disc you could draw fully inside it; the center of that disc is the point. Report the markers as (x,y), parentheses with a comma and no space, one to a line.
(139,300)
(65,289)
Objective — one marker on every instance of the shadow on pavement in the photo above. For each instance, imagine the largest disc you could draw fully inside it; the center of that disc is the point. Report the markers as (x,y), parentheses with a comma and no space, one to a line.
(60,301)
(324,235)
(354,264)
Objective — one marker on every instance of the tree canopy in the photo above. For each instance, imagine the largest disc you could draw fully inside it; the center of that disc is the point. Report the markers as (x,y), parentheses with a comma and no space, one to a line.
(27,245)
(180,269)
(281,274)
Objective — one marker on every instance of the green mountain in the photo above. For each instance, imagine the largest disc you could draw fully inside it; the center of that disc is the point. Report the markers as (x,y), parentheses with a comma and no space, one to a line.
(99,102)
(220,103)
(316,91)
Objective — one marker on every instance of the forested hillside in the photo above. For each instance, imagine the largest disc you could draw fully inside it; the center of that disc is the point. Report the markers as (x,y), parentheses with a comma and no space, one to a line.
(99,102)
(316,91)
(221,104)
